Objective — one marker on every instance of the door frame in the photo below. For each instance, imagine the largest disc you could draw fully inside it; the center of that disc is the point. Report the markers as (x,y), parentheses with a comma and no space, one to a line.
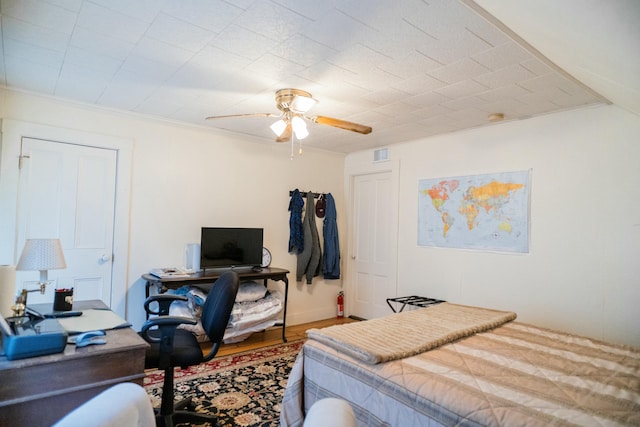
(12,133)
(352,171)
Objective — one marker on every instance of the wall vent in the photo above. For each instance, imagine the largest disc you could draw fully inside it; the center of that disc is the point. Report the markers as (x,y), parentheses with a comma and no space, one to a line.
(381,155)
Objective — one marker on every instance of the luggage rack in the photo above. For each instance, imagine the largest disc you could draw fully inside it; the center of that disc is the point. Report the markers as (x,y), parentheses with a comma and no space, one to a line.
(412,300)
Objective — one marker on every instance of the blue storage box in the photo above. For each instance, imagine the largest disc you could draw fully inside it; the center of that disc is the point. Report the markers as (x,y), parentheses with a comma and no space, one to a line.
(33,337)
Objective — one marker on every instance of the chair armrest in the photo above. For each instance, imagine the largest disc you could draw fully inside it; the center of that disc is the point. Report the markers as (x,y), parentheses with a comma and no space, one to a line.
(212,352)
(164,301)
(167,326)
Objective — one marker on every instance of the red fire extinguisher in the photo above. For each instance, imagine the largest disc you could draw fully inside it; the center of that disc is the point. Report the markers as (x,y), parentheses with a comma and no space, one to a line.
(340,304)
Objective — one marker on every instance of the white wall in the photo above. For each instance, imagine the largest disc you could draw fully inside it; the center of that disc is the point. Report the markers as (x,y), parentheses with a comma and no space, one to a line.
(186,177)
(582,274)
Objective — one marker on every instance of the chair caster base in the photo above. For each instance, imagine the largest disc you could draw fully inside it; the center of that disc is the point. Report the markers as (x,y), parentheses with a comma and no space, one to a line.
(188,415)
(185,417)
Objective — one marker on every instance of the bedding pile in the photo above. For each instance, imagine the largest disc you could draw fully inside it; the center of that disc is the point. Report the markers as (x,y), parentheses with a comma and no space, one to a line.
(409,333)
(255,309)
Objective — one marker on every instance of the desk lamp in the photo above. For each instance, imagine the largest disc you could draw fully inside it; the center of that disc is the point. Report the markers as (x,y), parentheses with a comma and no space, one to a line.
(41,255)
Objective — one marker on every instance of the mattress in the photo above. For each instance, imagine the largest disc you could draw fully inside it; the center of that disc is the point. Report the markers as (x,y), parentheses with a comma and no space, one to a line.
(514,374)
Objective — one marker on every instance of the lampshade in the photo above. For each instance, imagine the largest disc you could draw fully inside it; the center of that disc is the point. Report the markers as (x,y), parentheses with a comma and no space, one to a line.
(41,254)
(299,127)
(279,127)
(302,104)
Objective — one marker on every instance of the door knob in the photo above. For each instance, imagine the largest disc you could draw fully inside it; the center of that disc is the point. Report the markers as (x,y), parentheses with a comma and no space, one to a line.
(105,258)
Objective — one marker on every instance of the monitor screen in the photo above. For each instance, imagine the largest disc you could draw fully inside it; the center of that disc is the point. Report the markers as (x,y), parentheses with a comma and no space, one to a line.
(222,247)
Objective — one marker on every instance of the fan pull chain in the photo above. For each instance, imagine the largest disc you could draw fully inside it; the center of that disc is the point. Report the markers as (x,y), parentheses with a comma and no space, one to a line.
(291,145)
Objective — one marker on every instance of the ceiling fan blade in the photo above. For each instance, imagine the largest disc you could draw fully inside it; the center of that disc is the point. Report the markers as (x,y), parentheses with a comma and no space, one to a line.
(342,124)
(244,115)
(286,135)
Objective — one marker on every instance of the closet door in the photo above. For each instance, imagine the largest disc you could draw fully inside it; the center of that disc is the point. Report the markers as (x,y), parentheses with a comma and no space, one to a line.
(67,191)
(374,243)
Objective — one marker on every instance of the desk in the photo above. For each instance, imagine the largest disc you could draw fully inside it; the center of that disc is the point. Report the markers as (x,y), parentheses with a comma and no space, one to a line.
(38,391)
(276,274)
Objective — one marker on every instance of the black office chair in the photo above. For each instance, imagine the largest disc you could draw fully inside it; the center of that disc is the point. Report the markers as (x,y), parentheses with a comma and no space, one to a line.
(171,347)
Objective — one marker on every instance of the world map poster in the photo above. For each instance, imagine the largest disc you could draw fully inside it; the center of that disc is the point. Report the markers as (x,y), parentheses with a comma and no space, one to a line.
(485,212)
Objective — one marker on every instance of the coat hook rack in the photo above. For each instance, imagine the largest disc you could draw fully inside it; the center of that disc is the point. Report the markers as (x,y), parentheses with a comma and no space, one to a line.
(304,194)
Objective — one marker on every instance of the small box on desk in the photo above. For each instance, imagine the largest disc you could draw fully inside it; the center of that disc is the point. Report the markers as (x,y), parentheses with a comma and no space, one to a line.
(33,337)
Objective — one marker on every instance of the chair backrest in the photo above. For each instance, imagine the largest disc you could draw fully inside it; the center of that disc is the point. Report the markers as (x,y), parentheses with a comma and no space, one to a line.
(218,305)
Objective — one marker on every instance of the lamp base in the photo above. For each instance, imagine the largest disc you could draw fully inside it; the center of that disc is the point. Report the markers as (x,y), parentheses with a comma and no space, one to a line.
(21,300)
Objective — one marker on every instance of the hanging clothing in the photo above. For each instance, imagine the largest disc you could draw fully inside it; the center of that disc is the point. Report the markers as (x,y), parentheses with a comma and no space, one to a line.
(331,256)
(309,264)
(296,234)
(321,206)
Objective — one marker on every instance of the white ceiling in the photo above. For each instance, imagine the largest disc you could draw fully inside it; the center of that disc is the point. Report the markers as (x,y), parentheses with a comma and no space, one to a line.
(597,42)
(408,68)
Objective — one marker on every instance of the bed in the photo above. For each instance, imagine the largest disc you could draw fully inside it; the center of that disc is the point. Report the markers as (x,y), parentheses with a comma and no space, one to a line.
(458,365)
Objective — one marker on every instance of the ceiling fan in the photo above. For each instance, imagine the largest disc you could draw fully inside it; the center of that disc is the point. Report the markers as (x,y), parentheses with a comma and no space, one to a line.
(293,105)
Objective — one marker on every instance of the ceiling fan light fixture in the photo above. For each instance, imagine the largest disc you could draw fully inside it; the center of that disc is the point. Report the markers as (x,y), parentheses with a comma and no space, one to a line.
(293,105)
(279,127)
(299,127)
(286,135)
(302,104)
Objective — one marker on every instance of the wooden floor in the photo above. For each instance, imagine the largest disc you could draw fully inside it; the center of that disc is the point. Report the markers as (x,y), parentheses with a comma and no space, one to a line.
(274,336)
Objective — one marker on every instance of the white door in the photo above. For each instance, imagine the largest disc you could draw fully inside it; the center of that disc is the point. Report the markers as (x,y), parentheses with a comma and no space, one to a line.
(373,252)
(67,191)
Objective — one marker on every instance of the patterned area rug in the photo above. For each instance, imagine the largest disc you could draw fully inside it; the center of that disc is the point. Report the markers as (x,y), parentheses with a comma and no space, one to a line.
(243,389)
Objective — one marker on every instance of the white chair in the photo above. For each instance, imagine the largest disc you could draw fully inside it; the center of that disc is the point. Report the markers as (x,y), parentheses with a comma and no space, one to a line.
(123,405)
(330,412)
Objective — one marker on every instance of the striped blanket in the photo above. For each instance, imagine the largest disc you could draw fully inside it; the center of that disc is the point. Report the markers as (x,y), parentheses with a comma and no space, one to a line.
(515,374)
